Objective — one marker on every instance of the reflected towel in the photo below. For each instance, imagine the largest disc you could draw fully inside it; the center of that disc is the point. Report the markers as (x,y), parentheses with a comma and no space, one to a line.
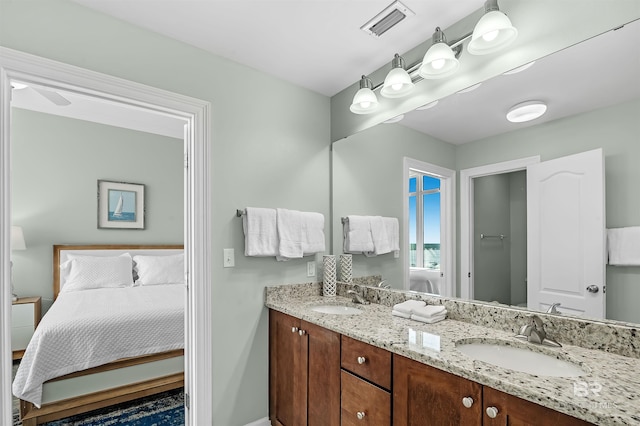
(624,246)
(260,232)
(357,235)
(408,306)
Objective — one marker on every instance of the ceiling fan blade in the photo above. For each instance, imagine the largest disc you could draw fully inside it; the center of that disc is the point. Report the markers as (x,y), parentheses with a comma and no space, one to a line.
(54,97)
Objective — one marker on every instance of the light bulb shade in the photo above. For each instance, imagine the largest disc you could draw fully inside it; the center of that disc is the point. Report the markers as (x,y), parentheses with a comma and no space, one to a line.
(17,238)
(492,33)
(526,111)
(364,101)
(398,82)
(439,62)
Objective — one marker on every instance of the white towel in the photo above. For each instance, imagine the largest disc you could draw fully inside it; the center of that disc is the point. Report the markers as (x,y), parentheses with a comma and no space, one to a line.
(357,235)
(428,320)
(289,226)
(408,306)
(312,233)
(260,232)
(381,242)
(624,246)
(400,314)
(429,311)
(393,232)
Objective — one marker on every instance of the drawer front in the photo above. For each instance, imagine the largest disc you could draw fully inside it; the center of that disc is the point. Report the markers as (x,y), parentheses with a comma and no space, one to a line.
(364,360)
(361,398)
(20,337)
(23,315)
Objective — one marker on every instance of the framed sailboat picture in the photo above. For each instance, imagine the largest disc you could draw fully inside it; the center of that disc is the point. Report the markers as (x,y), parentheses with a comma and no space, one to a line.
(120,205)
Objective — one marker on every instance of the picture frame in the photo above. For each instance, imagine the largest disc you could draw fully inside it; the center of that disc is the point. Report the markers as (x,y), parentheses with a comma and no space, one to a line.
(120,205)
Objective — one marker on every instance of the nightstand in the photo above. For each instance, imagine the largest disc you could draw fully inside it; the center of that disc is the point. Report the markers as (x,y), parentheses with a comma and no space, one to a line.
(25,316)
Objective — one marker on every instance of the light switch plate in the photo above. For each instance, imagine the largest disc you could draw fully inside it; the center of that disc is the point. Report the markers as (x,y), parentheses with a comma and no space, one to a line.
(311,269)
(229,258)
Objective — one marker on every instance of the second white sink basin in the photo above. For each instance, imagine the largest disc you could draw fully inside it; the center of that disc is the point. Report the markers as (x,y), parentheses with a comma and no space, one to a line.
(520,359)
(336,310)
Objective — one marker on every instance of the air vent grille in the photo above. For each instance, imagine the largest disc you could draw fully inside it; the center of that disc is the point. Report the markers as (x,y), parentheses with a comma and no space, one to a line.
(387,19)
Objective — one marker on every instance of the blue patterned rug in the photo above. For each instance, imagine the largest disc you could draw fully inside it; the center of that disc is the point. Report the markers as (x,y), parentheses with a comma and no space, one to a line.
(164,409)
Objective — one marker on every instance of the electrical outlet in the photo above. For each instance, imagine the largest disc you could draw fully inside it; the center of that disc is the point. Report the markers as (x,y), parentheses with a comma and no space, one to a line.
(229,258)
(311,269)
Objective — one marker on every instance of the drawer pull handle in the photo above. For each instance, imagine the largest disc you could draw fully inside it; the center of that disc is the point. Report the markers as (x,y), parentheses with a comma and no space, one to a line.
(492,412)
(361,360)
(360,415)
(467,401)
(301,332)
(294,329)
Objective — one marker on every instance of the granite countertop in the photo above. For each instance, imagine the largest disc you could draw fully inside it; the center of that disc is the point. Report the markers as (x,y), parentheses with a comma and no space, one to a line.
(606,394)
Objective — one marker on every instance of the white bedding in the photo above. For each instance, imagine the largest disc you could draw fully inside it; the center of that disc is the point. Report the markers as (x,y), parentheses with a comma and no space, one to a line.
(88,328)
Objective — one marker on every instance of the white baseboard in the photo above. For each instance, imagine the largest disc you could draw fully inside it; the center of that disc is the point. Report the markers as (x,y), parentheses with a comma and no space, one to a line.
(260,422)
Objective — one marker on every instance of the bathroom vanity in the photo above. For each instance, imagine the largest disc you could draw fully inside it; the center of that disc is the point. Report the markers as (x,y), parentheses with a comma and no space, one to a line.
(369,367)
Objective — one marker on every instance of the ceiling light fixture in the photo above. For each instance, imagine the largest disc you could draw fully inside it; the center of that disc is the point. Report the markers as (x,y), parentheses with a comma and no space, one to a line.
(394,119)
(398,82)
(519,69)
(470,88)
(427,106)
(526,111)
(440,60)
(365,101)
(18,86)
(493,32)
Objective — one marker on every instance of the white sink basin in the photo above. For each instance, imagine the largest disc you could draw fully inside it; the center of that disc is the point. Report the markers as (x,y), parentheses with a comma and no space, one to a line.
(336,310)
(520,359)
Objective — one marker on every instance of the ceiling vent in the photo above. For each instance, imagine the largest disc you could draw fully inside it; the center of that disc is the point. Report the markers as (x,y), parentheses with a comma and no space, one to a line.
(387,19)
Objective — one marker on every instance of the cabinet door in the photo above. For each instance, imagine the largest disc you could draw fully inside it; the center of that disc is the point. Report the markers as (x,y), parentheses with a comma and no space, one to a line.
(287,392)
(425,396)
(513,411)
(322,348)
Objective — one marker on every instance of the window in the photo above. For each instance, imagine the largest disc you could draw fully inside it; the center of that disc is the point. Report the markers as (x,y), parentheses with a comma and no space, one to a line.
(424,220)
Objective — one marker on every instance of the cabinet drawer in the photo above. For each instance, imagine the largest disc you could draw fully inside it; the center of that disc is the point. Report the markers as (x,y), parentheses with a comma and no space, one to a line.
(374,364)
(23,315)
(359,396)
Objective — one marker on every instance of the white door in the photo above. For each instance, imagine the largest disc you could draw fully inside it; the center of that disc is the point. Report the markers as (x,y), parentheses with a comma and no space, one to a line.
(566,234)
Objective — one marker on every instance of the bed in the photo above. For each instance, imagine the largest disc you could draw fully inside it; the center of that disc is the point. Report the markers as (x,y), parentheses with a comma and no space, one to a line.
(108,338)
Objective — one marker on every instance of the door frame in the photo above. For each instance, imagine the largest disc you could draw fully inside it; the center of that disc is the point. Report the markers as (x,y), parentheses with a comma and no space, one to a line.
(447,220)
(198,219)
(466,214)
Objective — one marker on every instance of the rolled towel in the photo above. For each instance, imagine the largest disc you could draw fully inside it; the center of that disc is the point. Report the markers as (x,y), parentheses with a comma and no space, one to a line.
(428,320)
(400,314)
(429,311)
(408,306)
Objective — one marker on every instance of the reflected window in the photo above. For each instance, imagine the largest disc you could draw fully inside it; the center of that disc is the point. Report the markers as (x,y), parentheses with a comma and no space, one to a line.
(424,221)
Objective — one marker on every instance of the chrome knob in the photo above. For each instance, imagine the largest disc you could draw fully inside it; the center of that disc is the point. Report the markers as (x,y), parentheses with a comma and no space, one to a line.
(361,360)
(492,412)
(302,332)
(360,415)
(593,289)
(467,401)
(294,329)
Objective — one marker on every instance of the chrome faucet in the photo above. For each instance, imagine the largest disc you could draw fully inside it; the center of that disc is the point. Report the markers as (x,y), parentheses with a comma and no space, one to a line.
(356,297)
(534,332)
(552,309)
(381,284)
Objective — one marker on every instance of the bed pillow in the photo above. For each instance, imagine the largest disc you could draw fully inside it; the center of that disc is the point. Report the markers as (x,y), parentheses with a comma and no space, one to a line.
(89,272)
(154,270)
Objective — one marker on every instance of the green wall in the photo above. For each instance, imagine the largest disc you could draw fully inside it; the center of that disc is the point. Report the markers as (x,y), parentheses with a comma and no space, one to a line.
(56,162)
(616,129)
(270,148)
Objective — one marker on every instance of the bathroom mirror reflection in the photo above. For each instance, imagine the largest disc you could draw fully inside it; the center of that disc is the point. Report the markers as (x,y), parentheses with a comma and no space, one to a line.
(586,111)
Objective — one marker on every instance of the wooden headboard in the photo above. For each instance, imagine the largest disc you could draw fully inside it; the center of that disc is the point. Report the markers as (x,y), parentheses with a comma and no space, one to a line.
(60,250)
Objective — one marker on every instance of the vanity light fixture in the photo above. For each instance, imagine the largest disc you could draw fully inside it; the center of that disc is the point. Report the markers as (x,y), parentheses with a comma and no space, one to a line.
(526,111)
(440,60)
(427,106)
(398,82)
(365,101)
(493,32)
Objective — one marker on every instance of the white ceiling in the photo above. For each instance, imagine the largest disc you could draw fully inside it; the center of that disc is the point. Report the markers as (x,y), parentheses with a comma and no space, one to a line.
(272,35)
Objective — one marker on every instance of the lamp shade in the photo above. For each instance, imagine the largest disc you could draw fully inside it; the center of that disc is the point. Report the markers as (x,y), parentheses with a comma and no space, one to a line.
(364,101)
(492,33)
(439,62)
(398,82)
(17,238)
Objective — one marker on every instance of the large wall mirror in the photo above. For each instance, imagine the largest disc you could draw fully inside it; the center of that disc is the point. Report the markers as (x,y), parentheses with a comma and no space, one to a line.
(588,109)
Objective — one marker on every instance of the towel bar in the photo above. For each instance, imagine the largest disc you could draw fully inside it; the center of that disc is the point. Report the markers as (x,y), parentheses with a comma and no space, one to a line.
(240,213)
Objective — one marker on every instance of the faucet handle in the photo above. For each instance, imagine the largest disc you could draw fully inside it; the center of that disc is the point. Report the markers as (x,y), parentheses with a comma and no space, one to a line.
(536,322)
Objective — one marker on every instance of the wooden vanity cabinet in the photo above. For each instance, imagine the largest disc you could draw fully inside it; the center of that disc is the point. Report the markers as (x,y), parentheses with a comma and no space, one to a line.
(513,411)
(304,373)
(426,396)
